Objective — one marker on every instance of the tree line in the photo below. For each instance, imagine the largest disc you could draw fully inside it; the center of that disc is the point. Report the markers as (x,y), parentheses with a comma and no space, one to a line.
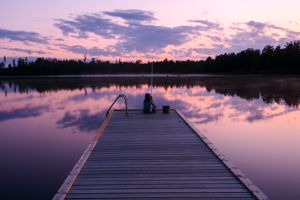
(269,60)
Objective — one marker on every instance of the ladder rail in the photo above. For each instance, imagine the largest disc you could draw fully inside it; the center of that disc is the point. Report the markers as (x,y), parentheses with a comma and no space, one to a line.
(119,96)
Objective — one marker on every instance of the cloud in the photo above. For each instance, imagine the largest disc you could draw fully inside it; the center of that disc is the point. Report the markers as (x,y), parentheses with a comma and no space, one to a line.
(208,24)
(94,51)
(200,53)
(22,36)
(131,37)
(257,25)
(136,32)
(145,38)
(25,112)
(90,23)
(214,38)
(28,51)
(132,16)
(214,50)
(253,34)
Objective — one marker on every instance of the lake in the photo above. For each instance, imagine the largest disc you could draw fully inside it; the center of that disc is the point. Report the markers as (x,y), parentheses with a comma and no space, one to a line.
(46,124)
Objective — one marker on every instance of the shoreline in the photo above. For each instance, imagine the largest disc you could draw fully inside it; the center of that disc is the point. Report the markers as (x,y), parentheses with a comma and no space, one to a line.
(146,75)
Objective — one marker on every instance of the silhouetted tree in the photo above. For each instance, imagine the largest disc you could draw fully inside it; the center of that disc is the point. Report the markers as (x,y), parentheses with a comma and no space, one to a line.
(84,58)
(14,63)
(139,61)
(4,60)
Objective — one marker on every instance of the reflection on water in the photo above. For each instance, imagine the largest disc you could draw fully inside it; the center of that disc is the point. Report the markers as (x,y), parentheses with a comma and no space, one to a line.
(47,123)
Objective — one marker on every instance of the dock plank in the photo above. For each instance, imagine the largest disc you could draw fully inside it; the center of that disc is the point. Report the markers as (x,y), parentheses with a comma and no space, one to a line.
(154,156)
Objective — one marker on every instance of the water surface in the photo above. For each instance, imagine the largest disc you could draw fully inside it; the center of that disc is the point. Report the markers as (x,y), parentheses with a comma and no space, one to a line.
(46,123)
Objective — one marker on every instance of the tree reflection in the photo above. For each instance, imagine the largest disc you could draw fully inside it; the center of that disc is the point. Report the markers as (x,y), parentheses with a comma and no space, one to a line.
(269,88)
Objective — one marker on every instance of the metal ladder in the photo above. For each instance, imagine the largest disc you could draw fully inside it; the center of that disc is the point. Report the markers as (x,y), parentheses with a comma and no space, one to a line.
(119,96)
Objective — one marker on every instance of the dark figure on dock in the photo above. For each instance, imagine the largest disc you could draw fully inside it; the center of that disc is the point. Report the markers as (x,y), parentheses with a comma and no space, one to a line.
(149,106)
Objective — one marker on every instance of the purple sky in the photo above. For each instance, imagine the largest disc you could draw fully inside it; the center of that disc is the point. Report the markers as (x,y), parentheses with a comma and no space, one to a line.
(149,29)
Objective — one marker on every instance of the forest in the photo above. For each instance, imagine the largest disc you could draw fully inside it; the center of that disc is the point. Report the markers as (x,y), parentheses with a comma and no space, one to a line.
(269,60)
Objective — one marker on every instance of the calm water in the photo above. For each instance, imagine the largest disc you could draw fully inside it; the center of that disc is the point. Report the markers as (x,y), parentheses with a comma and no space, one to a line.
(47,123)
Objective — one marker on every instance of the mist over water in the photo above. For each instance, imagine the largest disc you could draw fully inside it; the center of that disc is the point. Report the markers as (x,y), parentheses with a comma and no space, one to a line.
(46,124)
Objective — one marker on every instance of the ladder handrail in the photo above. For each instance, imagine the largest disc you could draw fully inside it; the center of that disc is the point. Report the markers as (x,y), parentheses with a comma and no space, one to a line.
(119,96)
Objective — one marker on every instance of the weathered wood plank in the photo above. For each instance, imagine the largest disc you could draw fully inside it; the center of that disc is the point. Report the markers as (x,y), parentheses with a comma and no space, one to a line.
(157,190)
(160,178)
(156,185)
(159,195)
(166,198)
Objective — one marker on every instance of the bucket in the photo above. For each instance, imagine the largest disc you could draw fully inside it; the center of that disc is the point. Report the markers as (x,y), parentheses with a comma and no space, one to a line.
(166,109)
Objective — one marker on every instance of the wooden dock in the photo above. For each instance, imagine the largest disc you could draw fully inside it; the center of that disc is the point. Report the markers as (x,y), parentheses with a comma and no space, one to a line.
(154,156)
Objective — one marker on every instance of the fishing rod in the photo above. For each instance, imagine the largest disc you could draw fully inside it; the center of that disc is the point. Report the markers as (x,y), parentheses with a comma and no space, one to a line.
(151,87)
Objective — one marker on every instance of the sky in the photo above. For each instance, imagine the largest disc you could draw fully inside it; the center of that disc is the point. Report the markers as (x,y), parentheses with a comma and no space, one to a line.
(144,29)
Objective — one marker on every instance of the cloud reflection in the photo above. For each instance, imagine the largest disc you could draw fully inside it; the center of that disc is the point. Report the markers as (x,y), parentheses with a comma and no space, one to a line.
(82,120)
(25,112)
(205,100)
